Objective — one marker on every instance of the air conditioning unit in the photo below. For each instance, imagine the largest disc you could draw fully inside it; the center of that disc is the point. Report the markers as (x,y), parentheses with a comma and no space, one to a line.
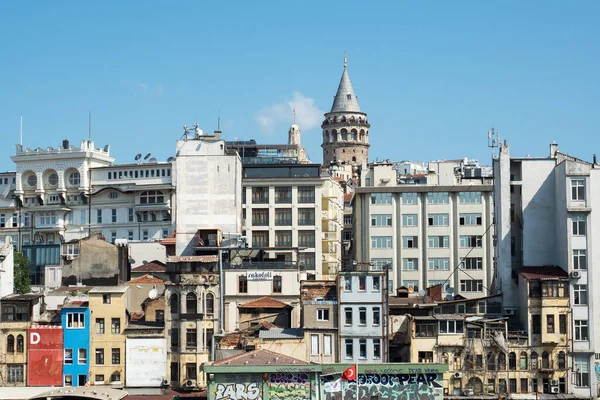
(468,392)
(554,389)
(575,274)
(165,382)
(510,311)
(554,382)
(457,375)
(190,383)
(69,257)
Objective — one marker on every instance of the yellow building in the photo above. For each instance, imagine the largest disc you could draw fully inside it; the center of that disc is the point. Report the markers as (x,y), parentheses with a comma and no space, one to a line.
(332,210)
(107,344)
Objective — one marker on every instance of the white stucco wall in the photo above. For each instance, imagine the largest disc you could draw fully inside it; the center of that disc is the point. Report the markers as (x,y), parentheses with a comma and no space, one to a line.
(146,362)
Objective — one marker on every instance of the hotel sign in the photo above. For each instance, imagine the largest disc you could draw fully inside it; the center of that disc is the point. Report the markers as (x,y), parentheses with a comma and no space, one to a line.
(259,275)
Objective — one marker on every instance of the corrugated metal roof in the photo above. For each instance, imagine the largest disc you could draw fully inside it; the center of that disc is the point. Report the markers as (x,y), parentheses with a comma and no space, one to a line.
(108,289)
(264,302)
(437,317)
(282,333)
(548,272)
(261,357)
(145,326)
(26,296)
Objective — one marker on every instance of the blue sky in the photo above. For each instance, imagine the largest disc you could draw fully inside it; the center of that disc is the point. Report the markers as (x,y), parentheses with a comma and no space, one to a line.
(432,76)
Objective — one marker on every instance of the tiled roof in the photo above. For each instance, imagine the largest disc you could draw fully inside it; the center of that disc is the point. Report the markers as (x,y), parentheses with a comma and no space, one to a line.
(145,326)
(261,357)
(264,302)
(282,333)
(148,278)
(21,297)
(136,316)
(553,272)
(206,259)
(108,289)
(347,197)
(152,266)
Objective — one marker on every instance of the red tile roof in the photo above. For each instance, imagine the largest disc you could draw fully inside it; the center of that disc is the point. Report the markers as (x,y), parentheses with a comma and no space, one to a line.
(148,278)
(554,272)
(260,357)
(152,266)
(347,197)
(264,302)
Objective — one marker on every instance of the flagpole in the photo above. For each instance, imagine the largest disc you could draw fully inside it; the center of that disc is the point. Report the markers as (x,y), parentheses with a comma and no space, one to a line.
(356,366)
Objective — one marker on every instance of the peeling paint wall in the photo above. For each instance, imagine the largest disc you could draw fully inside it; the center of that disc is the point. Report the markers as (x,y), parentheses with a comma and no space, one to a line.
(146,362)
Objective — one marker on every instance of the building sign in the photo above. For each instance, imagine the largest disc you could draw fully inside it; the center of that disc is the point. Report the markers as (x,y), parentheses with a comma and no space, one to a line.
(259,275)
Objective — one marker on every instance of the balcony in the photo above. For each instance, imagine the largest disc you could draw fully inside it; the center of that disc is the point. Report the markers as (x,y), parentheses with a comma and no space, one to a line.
(331,236)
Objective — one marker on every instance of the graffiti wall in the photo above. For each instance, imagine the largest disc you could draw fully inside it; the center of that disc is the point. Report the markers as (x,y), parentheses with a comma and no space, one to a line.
(289,386)
(410,386)
(238,386)
(271,386)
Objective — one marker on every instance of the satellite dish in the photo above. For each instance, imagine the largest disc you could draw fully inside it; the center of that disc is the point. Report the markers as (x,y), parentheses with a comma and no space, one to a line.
(147,156)
(449,297)
(422,293)
(131,261)
(144,262)
(138,156)
(153,294)
(450,290)
(152,160)
(170,159)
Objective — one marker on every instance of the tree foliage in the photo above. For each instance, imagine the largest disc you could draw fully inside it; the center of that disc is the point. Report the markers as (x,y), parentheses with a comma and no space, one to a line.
(21,272)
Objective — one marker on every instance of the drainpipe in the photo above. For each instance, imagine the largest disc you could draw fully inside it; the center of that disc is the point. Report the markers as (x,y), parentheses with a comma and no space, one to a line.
(221,332)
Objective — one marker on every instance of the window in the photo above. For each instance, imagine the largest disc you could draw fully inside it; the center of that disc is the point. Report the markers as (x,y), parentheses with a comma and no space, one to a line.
(174,371)
(2,220)
(437,198)
(381,263)
(410,220)
(579,259)
(362,316)
(327,341)
(512,361)
(68,380)
(410,242)
(191,337)
(468,241)
(469,197)
(306,194)
(15,220)
(562,360)
(74,178)
(472,263)
(174,304)
(277,284)
(75,320)
(439,264)
(100,326)
(260,239)
(349,348)
(260,217)
(473,285)
(191,303)
(425,356)
(314,344)
(14,373)
(376,284)
(348,220)
(562,324)
(210,305)
(130,214)
(115,377)
(580,295)
(306,238)
(381,198)
(381,220)
(106,299)
(348,316)
(190,371)
(116,356)
(409,198)
(469,219)
(501,362)
(578,189)
(82,217)
(436,242)
(512,383)
(114,215)
(550,323)
(376,316)
(175,338)
(82,356)
(425,329)
(99,379)
(10,344)
(411,284)
(578,225)
(534,361)
(152,197)
(99,356)
(581,329)
(362,348)
(115,325)
(322,314)
(348,284)
(283,195)
(410,264)
(159,315)
(99,216)
(437,220)
(20,344)
(362,283)
(283,216)
(68,356)
(536,324)
(32,180)
(283,238)
(451,327)
(523,361)
(381,242)
(582,374)
(306,216)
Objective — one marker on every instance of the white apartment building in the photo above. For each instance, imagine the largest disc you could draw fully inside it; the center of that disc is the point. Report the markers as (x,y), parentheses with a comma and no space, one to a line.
(544,211)
(332,210)
(425,231)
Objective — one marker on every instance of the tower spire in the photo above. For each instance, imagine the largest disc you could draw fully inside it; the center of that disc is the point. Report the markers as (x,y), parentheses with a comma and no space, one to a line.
(345,63)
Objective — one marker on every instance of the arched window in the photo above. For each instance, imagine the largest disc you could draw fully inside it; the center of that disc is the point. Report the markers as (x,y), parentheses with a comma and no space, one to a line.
(501,362)
(512,360)
(20,344)
(10,344)
(344,135)
(534,360)
(523,361)
(334,135)
(210,305)
(174,304)
(74,178)
(191,303)
(327,138)
(353,134)
(353,159)
(152,197)
(491,362)
(545,360)
(344,119)
(562,360)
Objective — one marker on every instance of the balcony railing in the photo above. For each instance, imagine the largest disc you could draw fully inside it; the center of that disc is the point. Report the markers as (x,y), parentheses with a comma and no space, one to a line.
(266,265)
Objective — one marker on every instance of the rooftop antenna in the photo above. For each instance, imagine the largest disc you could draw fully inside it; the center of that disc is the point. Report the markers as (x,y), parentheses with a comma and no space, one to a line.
(493,141)
(138,156)
(219,121)
(294,111)
(147,156)
(21,131)
(90,125)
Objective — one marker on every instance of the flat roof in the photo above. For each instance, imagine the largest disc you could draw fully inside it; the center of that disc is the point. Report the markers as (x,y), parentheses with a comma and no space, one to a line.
(108,289)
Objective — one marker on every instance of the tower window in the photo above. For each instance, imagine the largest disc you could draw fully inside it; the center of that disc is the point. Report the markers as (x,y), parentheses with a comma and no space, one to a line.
(349,97)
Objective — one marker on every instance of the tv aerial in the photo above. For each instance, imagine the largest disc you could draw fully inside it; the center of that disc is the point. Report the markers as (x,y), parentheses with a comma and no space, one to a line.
(138,156)
(147,156)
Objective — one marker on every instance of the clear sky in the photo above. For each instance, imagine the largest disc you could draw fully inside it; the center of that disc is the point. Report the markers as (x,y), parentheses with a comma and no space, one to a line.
(432,76)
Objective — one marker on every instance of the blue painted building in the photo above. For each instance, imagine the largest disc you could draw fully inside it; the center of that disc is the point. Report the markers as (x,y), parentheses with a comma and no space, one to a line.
(76,327)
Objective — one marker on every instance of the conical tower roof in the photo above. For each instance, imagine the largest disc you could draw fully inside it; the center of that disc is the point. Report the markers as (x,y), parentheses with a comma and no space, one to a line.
(345,99)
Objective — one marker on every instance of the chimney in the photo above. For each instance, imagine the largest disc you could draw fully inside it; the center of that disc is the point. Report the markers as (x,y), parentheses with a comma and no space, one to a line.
(553,149)
(66,144)
(595,161)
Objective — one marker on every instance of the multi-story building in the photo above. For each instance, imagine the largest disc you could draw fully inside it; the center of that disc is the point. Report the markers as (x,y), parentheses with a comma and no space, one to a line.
(108,309)
(544,216)
(332,209)
(363,314)
(320,320)
(425,231)
(75,315)
(7,259)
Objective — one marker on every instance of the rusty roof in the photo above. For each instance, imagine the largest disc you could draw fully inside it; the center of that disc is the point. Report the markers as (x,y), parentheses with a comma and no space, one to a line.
(148,278)
(264,302)
(347,197)
(547,272)
(261,357)
(152,266)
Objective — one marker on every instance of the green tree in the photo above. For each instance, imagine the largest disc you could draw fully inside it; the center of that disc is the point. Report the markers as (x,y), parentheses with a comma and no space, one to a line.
(21,272)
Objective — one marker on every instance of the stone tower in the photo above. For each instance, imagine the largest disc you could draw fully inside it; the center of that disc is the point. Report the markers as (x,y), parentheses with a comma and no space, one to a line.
(346,128)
